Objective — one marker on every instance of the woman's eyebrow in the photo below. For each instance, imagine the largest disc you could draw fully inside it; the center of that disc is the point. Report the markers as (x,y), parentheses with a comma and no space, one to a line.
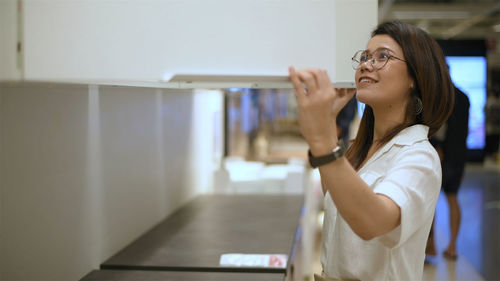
(379,49)
(384,49)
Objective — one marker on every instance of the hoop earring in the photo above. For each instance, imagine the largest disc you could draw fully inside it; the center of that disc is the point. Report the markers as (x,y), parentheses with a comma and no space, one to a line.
(419,106)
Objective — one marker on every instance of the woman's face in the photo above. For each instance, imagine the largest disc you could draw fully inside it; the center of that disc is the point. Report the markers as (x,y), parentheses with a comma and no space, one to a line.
(388,87)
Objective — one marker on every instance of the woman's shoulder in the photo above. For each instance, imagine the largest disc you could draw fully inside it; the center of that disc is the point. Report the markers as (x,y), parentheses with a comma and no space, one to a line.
(421,152)
(419,155)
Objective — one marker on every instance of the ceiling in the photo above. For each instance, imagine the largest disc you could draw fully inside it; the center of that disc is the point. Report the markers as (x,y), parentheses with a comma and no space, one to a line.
(451,19)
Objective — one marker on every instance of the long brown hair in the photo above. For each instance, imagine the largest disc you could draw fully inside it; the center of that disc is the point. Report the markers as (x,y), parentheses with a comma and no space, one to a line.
(426,65)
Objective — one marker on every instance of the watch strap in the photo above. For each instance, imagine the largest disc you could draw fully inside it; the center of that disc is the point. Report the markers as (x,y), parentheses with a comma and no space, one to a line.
(337,152)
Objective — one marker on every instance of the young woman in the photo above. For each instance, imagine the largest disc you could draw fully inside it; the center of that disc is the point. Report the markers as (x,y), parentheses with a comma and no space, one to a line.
(380,198)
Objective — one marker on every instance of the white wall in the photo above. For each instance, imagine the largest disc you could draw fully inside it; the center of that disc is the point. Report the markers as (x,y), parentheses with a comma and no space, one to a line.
(85,170)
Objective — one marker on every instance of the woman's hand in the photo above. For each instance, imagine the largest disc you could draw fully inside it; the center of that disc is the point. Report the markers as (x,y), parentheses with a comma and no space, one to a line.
(319,104)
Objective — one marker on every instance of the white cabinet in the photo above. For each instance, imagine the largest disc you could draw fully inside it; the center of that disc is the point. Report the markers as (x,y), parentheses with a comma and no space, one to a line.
(354,22)
(148,41)
(10,68)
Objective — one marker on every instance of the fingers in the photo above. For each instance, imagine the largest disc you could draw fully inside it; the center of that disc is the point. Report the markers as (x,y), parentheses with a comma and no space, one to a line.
(309,79)
(343,96)
(318,79)
(322,79)
(351,93)
(345,92)
(314,79)
(341,92)
(317,84)
(297,84)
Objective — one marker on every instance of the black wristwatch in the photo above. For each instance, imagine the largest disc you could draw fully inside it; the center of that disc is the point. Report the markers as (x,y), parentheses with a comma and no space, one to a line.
(337,152)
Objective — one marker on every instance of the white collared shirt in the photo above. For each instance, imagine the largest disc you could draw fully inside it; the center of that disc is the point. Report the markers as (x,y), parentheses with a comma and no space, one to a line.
(407,169)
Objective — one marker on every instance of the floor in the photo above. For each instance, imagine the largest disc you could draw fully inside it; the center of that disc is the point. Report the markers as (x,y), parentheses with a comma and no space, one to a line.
(478,244)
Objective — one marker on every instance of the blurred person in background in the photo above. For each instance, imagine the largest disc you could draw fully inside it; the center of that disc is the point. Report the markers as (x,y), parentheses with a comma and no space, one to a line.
(451,144)
(492,110)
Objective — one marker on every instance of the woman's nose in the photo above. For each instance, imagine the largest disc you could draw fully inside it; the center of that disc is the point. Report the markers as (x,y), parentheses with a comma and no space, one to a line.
(367,65)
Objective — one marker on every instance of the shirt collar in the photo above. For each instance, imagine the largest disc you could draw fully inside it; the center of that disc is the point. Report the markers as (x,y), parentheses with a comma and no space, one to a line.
(411,135)
(407,136)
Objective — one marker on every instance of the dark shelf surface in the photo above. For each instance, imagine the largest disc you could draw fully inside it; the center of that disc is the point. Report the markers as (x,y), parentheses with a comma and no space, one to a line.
(194,237)
(135,275)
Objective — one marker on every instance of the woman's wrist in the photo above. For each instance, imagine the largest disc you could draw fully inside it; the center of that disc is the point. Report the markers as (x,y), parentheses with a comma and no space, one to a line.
(323,147)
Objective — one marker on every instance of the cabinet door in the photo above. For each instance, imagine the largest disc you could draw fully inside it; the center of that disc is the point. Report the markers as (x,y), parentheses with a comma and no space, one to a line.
(9,33)
(149,40)
(354,22)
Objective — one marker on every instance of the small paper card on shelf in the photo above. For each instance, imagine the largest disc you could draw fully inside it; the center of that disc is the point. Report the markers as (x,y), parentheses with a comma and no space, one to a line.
(253,260)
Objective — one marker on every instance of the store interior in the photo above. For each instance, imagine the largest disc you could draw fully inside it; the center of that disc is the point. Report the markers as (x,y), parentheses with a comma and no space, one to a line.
(110,169)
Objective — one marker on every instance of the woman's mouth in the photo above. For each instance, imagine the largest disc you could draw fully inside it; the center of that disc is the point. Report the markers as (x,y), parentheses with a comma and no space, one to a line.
(366,81)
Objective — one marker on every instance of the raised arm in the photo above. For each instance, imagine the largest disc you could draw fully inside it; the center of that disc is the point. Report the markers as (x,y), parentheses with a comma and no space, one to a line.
(367,213)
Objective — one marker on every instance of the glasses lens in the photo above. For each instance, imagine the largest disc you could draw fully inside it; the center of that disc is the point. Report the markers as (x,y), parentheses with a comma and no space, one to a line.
(377,59)
(380,58)
(356,59)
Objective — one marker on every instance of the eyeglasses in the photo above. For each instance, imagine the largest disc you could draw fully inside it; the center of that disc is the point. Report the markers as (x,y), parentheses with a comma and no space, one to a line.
(377,59)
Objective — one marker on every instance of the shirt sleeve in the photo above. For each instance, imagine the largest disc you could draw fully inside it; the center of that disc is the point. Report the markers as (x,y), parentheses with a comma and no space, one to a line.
(413,184)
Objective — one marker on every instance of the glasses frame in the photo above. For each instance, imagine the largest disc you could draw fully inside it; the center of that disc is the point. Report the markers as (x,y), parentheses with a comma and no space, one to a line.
(357,64)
